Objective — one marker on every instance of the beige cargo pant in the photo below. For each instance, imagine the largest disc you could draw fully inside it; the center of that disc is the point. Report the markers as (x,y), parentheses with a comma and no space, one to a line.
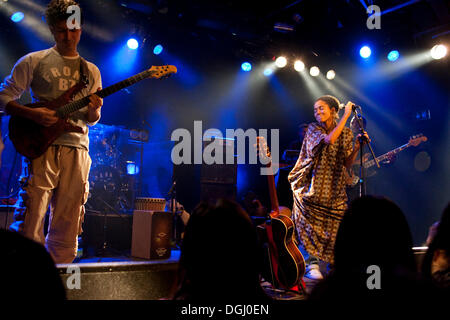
(58,178)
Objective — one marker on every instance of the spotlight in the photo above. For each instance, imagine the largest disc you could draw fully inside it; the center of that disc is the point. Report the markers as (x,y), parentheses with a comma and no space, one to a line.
(299,65)
(281,62)
(393,55)
(314,71)
(438,51)
(17,17)
(267,72)
(365,52)
(246,66)
(331,74)
(132,168)
(158,49)
(133,44)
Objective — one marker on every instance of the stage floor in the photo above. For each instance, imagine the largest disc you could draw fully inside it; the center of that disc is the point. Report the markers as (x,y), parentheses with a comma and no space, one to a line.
(123,277)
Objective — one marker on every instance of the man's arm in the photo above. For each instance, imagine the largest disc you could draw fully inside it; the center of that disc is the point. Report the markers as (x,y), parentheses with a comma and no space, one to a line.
(94,108)
(42,116)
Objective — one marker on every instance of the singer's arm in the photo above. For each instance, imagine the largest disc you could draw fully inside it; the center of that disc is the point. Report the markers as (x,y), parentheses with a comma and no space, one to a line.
(336,132)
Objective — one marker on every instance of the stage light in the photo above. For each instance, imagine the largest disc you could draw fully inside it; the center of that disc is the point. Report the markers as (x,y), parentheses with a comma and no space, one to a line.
(246,66)
(438,51)
(132,168)
(281,62)
(133,44)
(267,72)
(314,71)
(365,52)
(331,74)
(158,49)
(393,55)
(299,65)
(17,17)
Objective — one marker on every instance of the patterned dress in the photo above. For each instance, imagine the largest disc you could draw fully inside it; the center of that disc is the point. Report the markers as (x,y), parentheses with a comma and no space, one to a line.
(318,184)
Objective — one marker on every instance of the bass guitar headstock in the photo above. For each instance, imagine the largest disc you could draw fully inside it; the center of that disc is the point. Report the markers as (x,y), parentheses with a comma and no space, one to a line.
(160,72)
(417,139)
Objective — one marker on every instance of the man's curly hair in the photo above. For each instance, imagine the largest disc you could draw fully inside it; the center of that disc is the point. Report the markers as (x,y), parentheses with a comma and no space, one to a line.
(57,11)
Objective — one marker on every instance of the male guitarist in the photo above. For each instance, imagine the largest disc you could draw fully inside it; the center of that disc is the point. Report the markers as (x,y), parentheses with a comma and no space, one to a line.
(60,175)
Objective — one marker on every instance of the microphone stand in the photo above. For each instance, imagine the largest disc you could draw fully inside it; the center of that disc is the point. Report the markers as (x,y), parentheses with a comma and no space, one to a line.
(175,214)
(362,140)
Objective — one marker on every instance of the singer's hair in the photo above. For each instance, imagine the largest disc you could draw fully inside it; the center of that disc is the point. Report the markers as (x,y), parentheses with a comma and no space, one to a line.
(332,102)
(57,11)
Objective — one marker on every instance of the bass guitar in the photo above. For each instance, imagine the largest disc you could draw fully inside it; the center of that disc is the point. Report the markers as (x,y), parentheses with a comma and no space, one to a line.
(32,139)
(353,179)
(287,262)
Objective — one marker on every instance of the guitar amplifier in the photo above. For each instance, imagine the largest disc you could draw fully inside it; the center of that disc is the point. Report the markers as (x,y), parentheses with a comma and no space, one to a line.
(152,233)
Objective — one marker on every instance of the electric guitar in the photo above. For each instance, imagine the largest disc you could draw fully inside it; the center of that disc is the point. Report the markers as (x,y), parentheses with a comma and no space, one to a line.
(287,262)
(353,179)
(32,139)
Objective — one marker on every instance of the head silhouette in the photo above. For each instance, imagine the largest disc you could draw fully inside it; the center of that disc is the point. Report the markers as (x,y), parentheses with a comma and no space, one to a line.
(374,231)
(220,255)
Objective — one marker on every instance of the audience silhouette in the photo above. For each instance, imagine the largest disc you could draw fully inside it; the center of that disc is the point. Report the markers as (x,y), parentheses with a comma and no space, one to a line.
(374,259)
(29,271)
(221,257)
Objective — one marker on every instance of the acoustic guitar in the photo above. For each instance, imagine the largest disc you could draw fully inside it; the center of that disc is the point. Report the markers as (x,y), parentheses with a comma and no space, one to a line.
(287,262)
(32,139)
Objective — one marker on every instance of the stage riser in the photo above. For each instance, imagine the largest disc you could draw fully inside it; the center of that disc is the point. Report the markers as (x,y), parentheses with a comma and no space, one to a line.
(114,283)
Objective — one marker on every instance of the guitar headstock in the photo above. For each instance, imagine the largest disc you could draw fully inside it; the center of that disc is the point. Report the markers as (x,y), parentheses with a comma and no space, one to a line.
(262,148)
(159,72)
(417,139)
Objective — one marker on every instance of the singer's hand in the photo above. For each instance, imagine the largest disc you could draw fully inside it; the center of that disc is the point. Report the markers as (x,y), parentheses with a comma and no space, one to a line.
(348,109)
(365,137)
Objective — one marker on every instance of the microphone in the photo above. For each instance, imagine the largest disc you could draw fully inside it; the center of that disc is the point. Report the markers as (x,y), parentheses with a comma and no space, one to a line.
(354,107)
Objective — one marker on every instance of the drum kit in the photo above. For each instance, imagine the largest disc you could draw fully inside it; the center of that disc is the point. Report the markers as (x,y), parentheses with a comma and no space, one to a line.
(110,187)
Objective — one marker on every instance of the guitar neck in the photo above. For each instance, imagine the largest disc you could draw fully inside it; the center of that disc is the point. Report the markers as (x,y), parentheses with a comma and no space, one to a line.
(273,193)
(386,155)
(71,107)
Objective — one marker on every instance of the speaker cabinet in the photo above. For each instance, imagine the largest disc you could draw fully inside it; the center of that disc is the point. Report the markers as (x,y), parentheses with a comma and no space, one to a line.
(152,232)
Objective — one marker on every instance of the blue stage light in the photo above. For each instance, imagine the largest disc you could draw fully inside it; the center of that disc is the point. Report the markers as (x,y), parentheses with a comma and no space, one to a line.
(365,52)
(158,49)
(133,44)
(17,17)
(393,55)
(246,66)
(132,168)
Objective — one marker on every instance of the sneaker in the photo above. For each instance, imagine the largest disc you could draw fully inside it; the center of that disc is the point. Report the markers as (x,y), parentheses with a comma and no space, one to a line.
(312,272)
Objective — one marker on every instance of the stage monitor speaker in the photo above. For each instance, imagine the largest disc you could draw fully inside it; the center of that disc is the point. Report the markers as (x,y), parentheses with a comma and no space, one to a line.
(111,228)
(152,233)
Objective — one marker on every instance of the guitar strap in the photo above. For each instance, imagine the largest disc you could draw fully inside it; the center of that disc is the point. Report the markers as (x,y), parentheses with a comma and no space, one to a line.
(84,72)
